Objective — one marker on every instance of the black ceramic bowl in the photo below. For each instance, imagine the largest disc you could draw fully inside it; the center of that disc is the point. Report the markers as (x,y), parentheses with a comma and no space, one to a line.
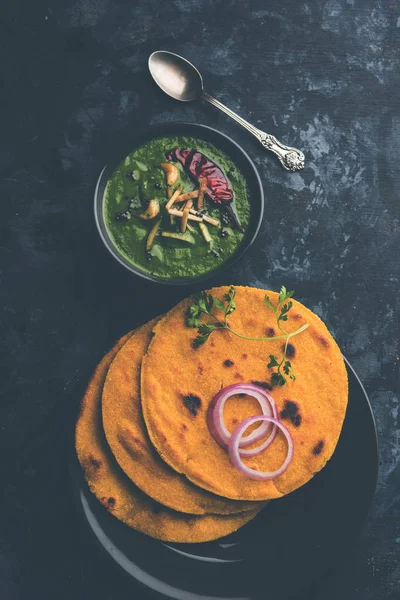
(225,143)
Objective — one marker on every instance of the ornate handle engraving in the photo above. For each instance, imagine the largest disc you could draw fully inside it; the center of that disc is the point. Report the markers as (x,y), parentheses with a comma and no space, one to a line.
(290,158)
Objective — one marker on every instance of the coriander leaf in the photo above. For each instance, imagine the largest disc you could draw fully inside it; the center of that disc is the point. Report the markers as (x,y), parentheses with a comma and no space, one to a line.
(282,295)
(219,304)
(284,310)
(286,368)
(209,302)
(286,307)
(193,321)
(199,340)
(194,310)
(206,328)
(292,377)
(231,307)
(229,297)
(231,294)
(273,362)
(277,379)
(202,305)
(202,302)
(269,303)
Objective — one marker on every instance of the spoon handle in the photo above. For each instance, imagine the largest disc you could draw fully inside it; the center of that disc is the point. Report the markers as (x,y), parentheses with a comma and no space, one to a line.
(290,158)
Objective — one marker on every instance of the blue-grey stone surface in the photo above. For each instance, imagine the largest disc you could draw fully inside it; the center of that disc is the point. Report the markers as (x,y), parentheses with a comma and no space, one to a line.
(322,76)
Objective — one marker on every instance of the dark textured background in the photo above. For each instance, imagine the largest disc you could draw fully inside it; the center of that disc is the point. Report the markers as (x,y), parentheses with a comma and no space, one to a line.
(323,76)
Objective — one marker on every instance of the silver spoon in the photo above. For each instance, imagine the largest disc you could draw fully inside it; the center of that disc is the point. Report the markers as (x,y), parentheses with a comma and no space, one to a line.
(178,78)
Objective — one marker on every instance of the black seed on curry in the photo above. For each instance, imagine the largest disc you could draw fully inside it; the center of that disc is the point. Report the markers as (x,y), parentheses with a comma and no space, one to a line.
(225,220)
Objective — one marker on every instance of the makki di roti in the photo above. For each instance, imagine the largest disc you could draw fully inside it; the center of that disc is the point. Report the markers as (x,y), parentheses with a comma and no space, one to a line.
(179,380)
(119,495)
(127,437)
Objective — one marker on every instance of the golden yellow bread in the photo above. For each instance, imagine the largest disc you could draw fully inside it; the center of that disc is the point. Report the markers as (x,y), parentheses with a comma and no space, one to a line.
(127,437)
(119,495)
(179,381)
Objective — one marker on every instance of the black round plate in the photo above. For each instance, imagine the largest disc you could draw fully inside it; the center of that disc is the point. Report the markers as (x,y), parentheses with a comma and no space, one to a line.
(290,544)
(221,141)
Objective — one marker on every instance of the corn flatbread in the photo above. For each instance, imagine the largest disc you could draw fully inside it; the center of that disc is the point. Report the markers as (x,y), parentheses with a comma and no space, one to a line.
(120,496)
(127,437)
(179,381)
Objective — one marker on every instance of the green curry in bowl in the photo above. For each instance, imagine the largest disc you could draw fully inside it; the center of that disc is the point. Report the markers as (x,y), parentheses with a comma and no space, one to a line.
(177,207)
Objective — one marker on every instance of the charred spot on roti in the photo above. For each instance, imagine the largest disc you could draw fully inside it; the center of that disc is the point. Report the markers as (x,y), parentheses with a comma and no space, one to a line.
(291,407)
(291,412)
(318,447)
(238,376)
(324,342)
(184,426)
(192,403)
(296,316)
(290,350)
(200,370)
(133,444)
(228,363)
(111,501)
(244,356)
(263,384)
(270,332)
(95,463)
(296,420)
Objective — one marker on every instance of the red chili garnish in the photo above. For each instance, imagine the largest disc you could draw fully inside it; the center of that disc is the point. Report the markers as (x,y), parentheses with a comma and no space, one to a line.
(217,185)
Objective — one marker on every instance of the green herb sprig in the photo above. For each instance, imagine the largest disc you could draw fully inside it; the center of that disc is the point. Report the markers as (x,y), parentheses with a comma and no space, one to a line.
(206,304)
(281,313)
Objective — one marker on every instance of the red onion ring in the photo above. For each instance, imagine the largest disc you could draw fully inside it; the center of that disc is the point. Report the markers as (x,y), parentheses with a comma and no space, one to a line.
(235,453)
(218,429)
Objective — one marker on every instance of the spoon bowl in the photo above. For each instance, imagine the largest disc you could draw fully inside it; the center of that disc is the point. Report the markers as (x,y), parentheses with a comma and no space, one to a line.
(176,76)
